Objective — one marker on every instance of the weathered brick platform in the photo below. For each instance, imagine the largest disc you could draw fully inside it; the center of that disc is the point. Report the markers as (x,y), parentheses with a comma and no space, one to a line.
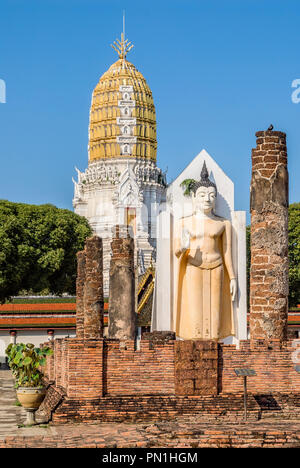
(147,408)
(165,378)
(190,431)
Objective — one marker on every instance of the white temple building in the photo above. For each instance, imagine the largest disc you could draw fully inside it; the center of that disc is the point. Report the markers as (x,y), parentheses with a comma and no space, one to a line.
(122,184)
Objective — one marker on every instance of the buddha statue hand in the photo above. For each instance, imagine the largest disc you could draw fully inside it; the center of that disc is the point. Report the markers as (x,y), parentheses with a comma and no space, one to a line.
(185,239)
(233,288)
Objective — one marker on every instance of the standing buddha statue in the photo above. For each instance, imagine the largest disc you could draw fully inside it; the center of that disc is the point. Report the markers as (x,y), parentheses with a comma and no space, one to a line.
(206,282)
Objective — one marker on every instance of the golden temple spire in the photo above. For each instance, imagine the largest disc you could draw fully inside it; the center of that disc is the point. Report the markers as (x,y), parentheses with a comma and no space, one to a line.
(123,46)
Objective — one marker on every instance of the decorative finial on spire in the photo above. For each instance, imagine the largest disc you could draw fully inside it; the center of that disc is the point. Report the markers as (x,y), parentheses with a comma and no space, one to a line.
(123,46)
(204,180)
(204,172)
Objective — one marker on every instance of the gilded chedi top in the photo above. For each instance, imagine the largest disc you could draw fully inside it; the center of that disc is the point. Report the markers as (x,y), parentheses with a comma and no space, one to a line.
(122,116)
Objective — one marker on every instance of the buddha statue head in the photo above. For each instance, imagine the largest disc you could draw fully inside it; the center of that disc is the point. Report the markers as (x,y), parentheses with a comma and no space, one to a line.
(204,193)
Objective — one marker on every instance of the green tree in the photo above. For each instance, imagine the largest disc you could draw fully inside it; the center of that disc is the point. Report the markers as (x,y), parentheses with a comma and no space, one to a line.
(187,186)
(38,246)
(294,255)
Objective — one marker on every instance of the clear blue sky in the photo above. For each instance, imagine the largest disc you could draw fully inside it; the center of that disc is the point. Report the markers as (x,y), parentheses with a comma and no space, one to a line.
(219,71)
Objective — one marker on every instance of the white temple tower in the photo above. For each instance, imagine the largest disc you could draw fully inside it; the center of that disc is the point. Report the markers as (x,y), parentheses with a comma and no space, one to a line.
(122,184)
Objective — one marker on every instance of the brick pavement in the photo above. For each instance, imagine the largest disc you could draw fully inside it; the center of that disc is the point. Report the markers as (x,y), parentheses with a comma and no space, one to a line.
(180,433)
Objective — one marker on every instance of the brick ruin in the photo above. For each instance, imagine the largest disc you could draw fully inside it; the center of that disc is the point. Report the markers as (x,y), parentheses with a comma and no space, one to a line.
(269,280)
(122,317)
(90,290)
(112,379)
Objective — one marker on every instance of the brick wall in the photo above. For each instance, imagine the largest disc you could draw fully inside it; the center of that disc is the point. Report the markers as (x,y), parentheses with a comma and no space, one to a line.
(272,361)
(50,362)
(64,362)
(85,368)
(57,362)
(93,368)
(148,371)
(196,367)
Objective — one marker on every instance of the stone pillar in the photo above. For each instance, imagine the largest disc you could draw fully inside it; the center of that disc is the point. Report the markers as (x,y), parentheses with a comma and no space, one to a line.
(269,237)
(93,289)
(80,294)
(122,315)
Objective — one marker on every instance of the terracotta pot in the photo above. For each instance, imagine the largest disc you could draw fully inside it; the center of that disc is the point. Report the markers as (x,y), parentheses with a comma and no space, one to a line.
(31,397)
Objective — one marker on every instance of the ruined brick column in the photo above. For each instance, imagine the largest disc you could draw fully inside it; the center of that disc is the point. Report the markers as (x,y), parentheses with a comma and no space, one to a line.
(122,316)
(93,289)
(80,294)
(269,237)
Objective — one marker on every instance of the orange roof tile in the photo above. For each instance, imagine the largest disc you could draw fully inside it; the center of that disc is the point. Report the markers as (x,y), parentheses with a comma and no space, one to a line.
(49,306)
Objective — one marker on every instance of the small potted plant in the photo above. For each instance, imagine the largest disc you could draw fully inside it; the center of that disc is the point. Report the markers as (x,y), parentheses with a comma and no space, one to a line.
(26,361)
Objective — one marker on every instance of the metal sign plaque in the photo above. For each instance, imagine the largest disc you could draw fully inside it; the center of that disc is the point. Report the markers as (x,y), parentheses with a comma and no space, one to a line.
(244,372)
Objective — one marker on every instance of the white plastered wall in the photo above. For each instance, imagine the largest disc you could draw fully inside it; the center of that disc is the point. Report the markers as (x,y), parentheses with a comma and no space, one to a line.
(35,337)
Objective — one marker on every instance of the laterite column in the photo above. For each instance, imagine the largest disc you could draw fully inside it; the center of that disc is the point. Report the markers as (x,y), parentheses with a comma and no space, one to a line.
(269,237)
(122,316)
(93,289)
(80,294)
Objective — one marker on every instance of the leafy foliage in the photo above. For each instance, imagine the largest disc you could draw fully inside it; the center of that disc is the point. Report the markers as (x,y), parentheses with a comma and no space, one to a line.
(25,362)
(44,300)
(294,254)
(38,246)
(187,184)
